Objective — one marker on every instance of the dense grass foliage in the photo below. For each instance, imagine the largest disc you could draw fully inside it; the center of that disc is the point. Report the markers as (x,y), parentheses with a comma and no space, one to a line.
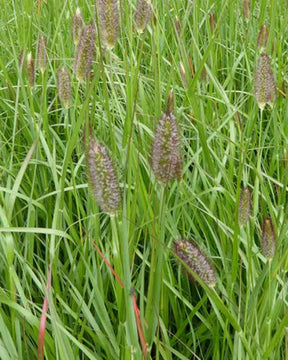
(207,53)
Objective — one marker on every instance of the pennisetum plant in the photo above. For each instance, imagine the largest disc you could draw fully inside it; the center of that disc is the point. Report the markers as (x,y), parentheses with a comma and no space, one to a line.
(30,70)
(142,15)
(42,53)
(268,239)
(166,158)
(64,86)
(265,87)
(245,205)
(195,260)
(102,177)
(109,21)
(85,52)
(77,26)
(167,166)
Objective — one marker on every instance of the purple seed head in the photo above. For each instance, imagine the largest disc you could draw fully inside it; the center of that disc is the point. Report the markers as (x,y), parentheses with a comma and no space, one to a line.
(194,258)
(64,86)
(246,9)
(109,21)
(30,70)
(42,53)
(102,178)
(262,37)
(77,26)
(268,239)
(265,87)
(143,12)
(166,158)
(85,53)
(245,205)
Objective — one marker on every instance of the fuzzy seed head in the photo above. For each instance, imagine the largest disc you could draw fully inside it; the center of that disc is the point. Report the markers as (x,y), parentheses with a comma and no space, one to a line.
(246,9)
(64,86)
(85,53)
(212,20)
(102,178)
(194,258)
(77,26)
(265,87)
(268,239)
(42,53)
(245,206)
(109,20)
(143,13)
(262,37)
(166,158)
(30,70)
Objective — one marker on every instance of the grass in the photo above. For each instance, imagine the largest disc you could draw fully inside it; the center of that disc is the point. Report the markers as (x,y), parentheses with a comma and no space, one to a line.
(47,210)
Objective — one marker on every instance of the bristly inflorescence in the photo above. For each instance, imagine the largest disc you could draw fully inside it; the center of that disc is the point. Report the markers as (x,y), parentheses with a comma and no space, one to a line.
(102,178)
(262,38)
(64,86)
(166,157)
(109,21)
(42,53)
(265,87)
(194,258)
(143,13)
(30,70)
(77,26)
(268,238)
(245,206)
(85,53)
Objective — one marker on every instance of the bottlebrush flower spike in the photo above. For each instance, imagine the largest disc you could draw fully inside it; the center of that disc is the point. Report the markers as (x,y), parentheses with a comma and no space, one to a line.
(268,239)
(102,177)
(246,9)
(42,53)
(143,12)
(262,37)
(245,205)
(109,21)
(85,53)
(166,158)
(30,70)
(64,86)
(265,87)
(196,261)
(212,20)
(77,26)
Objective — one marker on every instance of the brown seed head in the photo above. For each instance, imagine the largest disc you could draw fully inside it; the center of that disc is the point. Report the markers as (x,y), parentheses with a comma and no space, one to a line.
(85,53)
(194,258)
(102,178)
(64,86)
(143,12)
(42,53)
(262,37)
(166,158)
(245,205)
(212,20)
(246,9)
(265,87)
(109,21)
(268,239)
(77,26)
(30,70)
